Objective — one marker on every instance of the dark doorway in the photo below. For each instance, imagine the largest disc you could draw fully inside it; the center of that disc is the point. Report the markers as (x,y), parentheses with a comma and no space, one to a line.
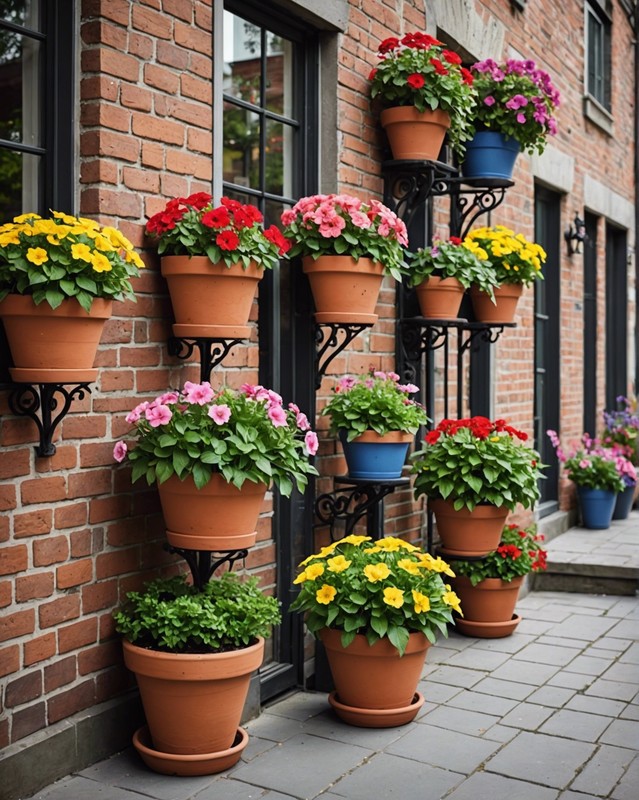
(590,325)
(616,314)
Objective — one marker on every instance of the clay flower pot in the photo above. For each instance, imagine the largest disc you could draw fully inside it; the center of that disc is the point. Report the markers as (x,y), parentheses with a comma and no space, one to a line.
(466,533)
(415,135)
(344,290)
(488,607)
(503,310)
(440,298)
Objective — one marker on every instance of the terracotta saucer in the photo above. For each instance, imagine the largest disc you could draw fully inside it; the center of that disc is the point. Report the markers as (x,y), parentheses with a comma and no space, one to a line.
(188,331)
(487,630)
(376,717)
(45,375)
(188,765)
(344,317)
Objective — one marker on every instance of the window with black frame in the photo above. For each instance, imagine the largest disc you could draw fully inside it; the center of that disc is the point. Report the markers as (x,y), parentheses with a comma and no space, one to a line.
(597,51)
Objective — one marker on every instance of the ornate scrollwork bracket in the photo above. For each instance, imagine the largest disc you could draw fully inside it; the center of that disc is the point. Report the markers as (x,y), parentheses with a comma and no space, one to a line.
(212,351)
(202,563)
(330,339)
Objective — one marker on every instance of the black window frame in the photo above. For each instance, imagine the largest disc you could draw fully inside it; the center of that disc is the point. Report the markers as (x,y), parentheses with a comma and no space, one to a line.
(597,52)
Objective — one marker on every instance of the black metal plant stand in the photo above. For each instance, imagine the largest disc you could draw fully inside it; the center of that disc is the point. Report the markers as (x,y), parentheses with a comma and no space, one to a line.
(212,351)
(203,565)
(331,338)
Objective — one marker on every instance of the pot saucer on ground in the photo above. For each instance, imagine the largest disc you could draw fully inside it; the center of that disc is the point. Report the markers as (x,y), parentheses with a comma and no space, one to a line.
(376,717)
(487,630)
(188,765)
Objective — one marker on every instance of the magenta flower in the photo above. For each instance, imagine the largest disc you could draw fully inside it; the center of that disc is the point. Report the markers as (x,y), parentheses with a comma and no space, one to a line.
(517,101)
(120,451)
(347,382)
(200,393)
(311,442)
(158,415)
(277,415)
(220,414)
(489,100)
(521,118)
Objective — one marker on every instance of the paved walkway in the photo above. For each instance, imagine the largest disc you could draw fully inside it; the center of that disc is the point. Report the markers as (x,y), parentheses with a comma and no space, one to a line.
(549,713)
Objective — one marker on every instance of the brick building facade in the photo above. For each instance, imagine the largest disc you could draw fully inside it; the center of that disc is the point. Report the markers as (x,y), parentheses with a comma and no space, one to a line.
(137,103)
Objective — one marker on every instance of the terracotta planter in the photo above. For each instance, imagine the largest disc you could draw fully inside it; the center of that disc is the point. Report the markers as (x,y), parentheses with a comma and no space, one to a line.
(193,702)
(440,298)
(210,300)
(375,679)
(53,345)
(415,135)
(344,290)
(372,456)
(466,533)
(488,607)
(218,517)
(503,310)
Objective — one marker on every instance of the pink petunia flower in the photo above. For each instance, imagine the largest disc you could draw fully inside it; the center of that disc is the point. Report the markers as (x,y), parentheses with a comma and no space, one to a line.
(311,443)
(200,393)
(220,414)
(158,415)
(136,414)
(120,451)
(302,421)
(277,415)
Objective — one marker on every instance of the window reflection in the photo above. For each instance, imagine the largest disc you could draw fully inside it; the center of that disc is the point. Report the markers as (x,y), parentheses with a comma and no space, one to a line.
(19,182)
(241,146)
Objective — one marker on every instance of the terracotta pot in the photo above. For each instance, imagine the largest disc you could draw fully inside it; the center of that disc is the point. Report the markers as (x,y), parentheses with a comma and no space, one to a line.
(503,310)
(375,678)
(344,290)
(491,600)
(53,345)
(440,298)
(193,702)
(466,533)
(217,517)
(210,300)
(415,135)
(372,456)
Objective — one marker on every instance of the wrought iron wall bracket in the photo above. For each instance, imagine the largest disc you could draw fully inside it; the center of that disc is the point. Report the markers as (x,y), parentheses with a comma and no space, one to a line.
(212,351)
(474,331)
(39,402)
(336,335)
(202,563)
(420,335)
(357,499)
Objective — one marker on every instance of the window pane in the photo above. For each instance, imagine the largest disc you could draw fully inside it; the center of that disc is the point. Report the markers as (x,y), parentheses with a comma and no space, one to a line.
(19,183)
(279,75)
(274,160)
(242,59)
(273,212)
(19,82)
(241,146)
(21,12)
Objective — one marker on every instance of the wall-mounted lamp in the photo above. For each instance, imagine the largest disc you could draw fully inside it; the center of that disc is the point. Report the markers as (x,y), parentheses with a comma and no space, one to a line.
(575,235)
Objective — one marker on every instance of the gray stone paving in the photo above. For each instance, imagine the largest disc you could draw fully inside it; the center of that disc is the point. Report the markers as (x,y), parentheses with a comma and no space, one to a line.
(550,713)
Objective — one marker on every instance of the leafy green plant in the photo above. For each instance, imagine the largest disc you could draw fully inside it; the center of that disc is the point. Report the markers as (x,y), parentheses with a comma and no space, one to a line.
(386,588)
(65,257)
(473,461)
(512,257)
(593,466)
(519,553)
(376,402)
(243,434)
(173,616)
(465,261)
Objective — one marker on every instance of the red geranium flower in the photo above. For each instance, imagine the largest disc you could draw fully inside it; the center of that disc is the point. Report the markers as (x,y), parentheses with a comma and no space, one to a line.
(389,44)
(467,76)
(440,69)
(415,81)
(216,218)
(199,200)
(227,240)
(451,57)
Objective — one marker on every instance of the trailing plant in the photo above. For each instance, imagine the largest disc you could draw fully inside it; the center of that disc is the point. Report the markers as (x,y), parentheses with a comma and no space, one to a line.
(466,261)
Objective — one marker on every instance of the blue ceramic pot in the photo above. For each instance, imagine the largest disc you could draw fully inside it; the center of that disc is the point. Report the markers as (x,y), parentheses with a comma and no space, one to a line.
(597,506)
(374,457)
(490,155)
(623,503)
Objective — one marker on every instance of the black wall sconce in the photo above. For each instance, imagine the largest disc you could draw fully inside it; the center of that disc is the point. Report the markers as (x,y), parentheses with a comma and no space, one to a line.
(575,235)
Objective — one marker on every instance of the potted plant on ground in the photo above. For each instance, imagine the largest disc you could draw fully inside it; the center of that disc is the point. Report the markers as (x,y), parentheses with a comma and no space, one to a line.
(58,280)
(621,430)
(375,420)
(516,262)
(213,454)
(213,259)
(347,245)
(193,653)
(515,103)
(473,472)
(423,92)
(377,606)
(442,273)
(488,587)
(597,472)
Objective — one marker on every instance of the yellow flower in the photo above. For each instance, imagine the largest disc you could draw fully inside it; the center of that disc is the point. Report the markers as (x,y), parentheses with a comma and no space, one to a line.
(100,263)
(37,255)
(81,252)
(103,244)
(388,545)
(436,564)
(132,256)
(451,599)
(422,603)
(314,571)
(338,564)
(88,223)
(301,577)
(494,438)
(10,237)
(67,218)
(394,597)
(376,572)
(353,539)
(409,565)
(25,217)
(326,594)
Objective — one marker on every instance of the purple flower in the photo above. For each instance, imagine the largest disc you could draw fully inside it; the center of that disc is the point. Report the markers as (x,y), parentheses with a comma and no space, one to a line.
(517,101)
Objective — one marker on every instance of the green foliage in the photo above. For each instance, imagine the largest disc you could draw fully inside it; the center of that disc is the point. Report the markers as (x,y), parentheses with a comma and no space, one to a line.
(377,402)
(453,259)
(65,257)
(594,471)
(382,589)
(519,553)
(171,615)
(512,257)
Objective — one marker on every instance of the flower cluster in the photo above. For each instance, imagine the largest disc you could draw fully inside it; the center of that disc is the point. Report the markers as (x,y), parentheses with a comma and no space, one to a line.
(62,257)
(475,460)
(383,588)
(517,99)
(621,428)
(593,466)
(377,402)
(338,224)
(514,259)
(231,234)
(466,261)
(519,553)
(244,434)
(419,71)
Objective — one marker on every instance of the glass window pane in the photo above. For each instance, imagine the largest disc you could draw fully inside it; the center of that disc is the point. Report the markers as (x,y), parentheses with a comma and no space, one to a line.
(241,146)
(272,213)
(279,75)
(19,183)
(242,59)
(19,84)
(274,158)
(21,12)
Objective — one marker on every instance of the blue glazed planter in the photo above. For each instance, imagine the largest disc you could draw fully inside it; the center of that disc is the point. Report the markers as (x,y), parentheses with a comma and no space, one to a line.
(623,503)
(375,457)
(597,506)
(490,155)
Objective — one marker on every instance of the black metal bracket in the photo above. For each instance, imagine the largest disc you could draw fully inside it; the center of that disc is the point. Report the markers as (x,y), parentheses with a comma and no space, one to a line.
(358,498)
(39,402)
(336,335)
(212,351)
(485,333)
(202,564)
